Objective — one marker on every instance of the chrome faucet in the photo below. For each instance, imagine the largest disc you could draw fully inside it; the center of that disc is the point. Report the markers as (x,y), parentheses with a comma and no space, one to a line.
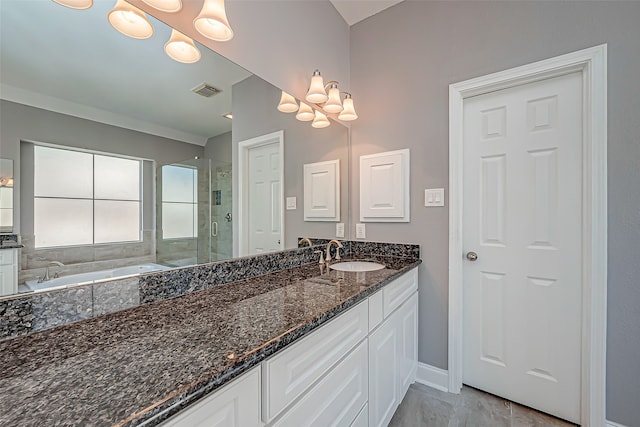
(46,276)
(305,240)
(338,246)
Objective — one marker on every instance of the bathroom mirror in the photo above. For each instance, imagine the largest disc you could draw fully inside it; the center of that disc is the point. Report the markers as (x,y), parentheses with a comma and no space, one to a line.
(6,196)
(71,81)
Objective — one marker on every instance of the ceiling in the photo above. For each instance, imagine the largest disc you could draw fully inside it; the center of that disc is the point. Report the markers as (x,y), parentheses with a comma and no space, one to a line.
(75,63)
(354,11)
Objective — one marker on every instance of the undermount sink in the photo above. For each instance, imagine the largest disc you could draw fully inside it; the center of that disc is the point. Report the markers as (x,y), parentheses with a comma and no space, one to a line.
(357,266)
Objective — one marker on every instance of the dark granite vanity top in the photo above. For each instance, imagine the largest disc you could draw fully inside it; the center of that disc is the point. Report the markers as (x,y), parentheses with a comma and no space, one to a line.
(16,246)
(128,368)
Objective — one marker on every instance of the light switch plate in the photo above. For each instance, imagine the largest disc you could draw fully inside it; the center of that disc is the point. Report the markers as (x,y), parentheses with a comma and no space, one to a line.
(291,203)
(340,229)
(434,197)
(360,231)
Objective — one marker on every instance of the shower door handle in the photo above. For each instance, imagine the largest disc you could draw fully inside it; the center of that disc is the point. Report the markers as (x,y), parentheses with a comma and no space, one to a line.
(214,229)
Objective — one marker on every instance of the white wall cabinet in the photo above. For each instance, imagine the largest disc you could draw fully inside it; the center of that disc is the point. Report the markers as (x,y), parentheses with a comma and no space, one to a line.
(352,371)
(322,191)
(8,271)
(384,187)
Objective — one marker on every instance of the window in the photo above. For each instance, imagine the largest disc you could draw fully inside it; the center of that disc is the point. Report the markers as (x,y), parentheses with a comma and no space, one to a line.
(179,202)
(82,198)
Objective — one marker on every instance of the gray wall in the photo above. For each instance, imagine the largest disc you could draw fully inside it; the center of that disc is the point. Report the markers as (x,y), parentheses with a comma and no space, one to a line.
(402,61)
(255,114)
(219,148)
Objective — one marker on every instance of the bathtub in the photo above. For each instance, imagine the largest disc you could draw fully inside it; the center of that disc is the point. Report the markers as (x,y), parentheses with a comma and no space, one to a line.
(92,277)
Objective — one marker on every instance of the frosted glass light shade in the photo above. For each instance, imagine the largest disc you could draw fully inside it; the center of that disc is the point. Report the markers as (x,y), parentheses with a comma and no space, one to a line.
(165,5)
(130,21)
(320,121)
(316,93)
(333,104)
(349,112)
(75,4)
(212,21)
(305,113)
(288,103)
(181,48)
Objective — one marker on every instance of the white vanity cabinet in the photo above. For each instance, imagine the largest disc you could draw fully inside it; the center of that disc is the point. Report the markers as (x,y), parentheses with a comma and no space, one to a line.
(393,349)
(352,371)
(8,271)
(237,404)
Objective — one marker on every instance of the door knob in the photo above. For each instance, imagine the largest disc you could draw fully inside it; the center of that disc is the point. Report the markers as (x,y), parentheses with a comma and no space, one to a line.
(472,256)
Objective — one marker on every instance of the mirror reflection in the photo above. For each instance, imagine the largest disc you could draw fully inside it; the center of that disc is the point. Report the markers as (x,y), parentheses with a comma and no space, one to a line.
(6,196)
(122,166)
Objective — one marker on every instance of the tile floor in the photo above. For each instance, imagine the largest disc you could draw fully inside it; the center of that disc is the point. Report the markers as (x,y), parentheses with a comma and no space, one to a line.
(423,406)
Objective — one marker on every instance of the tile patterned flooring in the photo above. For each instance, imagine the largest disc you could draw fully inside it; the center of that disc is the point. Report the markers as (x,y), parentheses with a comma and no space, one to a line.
(423,406)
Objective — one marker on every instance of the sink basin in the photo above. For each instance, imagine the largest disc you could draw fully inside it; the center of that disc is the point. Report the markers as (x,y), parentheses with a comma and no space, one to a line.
(357,266)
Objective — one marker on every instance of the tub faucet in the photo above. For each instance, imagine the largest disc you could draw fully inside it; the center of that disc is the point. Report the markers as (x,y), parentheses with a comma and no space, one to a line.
(46,276)
(305,240)
(338,246)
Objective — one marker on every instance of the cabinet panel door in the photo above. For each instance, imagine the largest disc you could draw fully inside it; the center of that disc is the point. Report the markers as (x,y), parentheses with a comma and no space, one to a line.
(408,349)
(383,373)
(288,374)
(337,399)
(399,291)
(236,405)
(8,280)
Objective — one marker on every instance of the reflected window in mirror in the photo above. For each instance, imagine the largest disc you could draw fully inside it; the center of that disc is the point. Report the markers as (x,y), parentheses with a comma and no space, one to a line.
(6,196)
(84,198)
(179,202)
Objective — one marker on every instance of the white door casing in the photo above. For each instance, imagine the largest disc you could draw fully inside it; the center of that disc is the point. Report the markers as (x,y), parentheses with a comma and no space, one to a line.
(591,64)
(260,194)
(522,216)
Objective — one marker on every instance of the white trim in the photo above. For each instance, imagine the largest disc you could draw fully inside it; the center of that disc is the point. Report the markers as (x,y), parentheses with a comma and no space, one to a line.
(432,377)
(243,159)
(612,424)
(592,63)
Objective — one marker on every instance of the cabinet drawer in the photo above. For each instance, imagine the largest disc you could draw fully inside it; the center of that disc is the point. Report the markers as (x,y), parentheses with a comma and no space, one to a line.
(288,374)
(362,420)
(337,399)
(235,405)
(8,256)
(395,293)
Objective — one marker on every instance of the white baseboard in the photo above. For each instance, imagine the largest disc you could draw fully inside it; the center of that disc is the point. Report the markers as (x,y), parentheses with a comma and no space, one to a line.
(432,377)
(612,424)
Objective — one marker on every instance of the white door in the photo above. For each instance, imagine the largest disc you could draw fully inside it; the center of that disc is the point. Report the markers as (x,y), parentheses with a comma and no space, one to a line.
(522,216)
(264,199)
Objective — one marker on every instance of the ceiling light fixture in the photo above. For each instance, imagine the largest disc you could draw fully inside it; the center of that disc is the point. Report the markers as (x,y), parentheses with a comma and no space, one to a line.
(320,121)
(288,103)
(75,4)
(212,21)
(181,48)
(130,21)
(170,6)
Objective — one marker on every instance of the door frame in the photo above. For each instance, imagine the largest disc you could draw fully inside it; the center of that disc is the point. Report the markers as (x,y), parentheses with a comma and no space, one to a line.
(243,176)
(592,64)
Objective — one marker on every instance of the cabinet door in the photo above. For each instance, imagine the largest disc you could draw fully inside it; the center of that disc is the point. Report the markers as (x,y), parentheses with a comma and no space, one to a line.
(408,340)
(383,369)
(8,280)
(236,405)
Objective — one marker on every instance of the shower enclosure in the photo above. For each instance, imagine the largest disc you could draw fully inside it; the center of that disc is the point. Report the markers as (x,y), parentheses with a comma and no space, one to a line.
(193,222)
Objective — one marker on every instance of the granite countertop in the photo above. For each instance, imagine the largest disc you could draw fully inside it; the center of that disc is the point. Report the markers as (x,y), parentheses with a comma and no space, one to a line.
(142,365)
(16,246)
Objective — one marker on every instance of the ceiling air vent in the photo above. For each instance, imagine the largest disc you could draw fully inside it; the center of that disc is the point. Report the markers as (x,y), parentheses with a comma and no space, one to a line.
(206,90)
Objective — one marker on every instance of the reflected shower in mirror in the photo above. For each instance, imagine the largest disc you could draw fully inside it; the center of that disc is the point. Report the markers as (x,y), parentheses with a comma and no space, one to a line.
(6,196)
(70,81)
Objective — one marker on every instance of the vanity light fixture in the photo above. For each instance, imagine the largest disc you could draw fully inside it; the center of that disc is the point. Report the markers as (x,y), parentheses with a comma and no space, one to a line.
(170,6)
(349,112)
(6,182)
(228,116)
(333,104)
(75,4)
(130,21)
(212,21)
(305,113)
(316,93)
(320,120)
(288,103)
(181,48)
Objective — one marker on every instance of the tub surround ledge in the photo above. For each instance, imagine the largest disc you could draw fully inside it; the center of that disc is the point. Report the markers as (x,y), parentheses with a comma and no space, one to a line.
(142,365)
